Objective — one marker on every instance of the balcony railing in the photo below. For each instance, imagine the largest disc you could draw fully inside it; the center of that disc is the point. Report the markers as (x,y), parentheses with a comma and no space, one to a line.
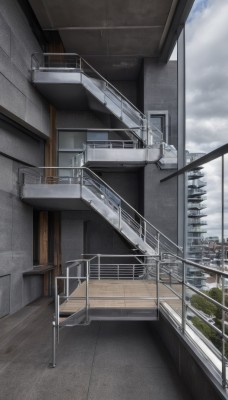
(175,280)
(111,144)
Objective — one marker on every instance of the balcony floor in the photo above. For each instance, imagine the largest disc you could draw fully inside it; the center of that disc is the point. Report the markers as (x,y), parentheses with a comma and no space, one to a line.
(106,360)
(120,294)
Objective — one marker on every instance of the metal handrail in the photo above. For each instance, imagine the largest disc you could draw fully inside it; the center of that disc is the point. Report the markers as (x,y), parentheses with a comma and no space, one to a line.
(108,144)
(143,223)
(116,92)
(96,72)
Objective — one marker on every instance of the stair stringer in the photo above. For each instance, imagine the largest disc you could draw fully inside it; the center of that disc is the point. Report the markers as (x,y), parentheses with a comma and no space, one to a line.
(113,219)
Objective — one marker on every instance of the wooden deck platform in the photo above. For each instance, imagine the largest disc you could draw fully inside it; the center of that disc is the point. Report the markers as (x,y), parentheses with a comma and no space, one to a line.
(119,294)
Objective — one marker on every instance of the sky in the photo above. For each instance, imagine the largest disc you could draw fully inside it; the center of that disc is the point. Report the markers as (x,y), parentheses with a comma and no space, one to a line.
(207,97)
(207,75)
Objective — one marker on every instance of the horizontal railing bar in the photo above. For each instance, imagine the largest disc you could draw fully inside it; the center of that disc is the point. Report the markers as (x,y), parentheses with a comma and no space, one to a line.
(110,298)
(98,130)
(213,155)
(198,314)
(141,218)
(97,73)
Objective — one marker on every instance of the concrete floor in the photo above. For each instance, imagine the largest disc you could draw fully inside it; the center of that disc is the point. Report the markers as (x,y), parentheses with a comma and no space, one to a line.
(104,361)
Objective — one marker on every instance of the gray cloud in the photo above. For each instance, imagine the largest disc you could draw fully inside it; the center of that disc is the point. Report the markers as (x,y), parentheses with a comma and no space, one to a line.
(207,76)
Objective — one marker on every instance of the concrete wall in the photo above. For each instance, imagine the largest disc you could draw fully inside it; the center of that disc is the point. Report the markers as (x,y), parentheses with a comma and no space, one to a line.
(191,371)
(16,222)
(160,92)
(87,232)
(18,98)
(160,201)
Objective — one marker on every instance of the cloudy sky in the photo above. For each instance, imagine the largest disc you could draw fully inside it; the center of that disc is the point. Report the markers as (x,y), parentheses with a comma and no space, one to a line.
(207,75)
(207,96)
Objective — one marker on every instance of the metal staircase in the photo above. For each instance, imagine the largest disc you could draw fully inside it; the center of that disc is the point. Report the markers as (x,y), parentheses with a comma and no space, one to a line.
(96,193)
(70,68)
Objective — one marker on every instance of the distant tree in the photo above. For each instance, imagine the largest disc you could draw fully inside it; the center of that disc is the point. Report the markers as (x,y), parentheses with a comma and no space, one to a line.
(202,304)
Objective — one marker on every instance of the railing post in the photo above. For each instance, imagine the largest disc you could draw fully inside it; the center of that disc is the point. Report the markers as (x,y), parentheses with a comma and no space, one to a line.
(223,280)
(87,292)
(157,281)
(118,271)
(105,88)
(183,298)
(140,228)
(99,266)
(81,181)
(158,240)
(67,282)
(144,230)
(133,272)
(53,363)
(120,216)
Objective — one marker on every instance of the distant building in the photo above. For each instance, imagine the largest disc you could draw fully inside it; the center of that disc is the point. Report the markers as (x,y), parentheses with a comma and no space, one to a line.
(196,224)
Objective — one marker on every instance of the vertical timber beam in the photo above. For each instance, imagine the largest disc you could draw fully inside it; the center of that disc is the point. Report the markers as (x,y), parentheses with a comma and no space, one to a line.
(43,245)
(57,246)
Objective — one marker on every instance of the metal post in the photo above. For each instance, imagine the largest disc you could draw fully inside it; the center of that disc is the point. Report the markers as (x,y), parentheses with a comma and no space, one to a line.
(53,363)
(105,88)
(223,283)
(81,181)
(158,240)
(140,227)
(119,216)
(144,230)
(157,281)
(183,298)
(67,282)
(87,292)
(133,272)
(118,271)
(99,266)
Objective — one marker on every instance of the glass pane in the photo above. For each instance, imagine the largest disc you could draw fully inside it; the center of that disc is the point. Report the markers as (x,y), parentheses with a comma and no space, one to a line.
(71,140)
(66,159)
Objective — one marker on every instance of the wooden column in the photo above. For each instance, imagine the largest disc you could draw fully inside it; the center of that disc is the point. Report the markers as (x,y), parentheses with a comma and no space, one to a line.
(43,245)
(57,244)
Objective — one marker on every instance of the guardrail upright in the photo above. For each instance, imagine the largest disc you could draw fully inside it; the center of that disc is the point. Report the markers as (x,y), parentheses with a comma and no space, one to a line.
(183,297)
(87,292)
(157,283)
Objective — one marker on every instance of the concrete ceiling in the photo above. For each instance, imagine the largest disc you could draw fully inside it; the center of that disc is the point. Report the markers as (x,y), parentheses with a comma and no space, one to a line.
(113,35)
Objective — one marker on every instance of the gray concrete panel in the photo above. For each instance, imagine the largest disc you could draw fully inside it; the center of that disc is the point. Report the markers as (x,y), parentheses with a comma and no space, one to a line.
(88,232)
(16,228)
(15,143)
(4,295)
(6,174)
(16,93)
(4,36)
(160,92)
(78,119)
(160,201)
(11,99)
(72,237)
(126,184)
(22,234)
(5,261)
(6,221)
(32,288)
(16,293)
